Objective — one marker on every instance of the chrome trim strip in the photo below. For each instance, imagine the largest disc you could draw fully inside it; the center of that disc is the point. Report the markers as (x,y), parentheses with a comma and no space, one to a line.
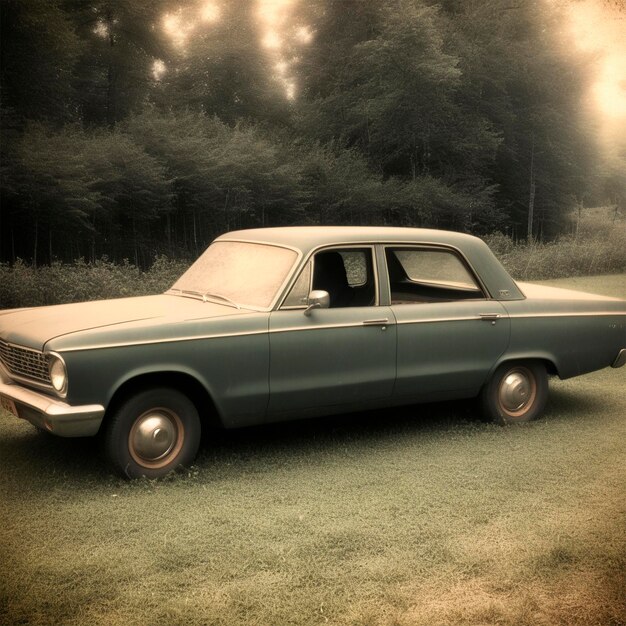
(568,314)
(217,336)
(511,316)
(382,320)
(475,318)
(125,344)
(318,327)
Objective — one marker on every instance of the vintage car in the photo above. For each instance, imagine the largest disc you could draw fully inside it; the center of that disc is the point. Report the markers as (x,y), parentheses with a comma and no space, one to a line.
(283,323)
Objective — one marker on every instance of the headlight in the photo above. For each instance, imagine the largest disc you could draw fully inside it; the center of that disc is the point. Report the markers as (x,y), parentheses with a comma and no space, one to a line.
(58,373)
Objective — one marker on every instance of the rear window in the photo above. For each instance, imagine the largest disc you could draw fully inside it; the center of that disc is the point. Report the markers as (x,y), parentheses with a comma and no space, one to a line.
(438,267)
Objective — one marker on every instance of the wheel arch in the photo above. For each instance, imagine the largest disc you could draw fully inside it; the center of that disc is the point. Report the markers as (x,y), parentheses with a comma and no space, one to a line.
(548,360)
(181,381)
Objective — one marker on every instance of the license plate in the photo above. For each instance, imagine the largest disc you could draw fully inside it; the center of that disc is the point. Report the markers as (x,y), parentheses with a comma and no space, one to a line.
(8,405)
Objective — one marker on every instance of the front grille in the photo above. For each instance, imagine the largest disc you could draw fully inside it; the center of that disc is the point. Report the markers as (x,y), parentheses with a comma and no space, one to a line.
(24,362)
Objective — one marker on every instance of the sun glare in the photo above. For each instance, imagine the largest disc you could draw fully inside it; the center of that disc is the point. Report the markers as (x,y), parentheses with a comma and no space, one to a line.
(210,12)
(177,28)
(272,16)
(101,29)
(610,90)
(158,69)
(274,12)
(276,30)
(304,35)
(602,30)
(272,41)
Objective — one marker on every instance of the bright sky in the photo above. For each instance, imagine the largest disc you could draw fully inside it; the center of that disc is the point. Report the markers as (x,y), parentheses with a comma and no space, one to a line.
(602,29)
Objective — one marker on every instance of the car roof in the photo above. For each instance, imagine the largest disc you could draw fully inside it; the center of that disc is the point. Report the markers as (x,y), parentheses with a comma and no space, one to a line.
(307,238)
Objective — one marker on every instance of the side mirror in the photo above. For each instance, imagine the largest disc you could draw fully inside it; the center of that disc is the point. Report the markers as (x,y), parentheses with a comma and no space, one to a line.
(317,299)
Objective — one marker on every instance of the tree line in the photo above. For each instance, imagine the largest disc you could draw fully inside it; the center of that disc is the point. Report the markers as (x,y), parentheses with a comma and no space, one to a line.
(126,138)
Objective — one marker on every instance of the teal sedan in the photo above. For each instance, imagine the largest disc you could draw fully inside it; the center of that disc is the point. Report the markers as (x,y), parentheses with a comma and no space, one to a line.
(285,323)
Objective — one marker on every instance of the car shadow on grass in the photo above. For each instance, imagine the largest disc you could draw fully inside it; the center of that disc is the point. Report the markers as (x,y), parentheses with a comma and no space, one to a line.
(30,456)
(350,430)
(571,403)
(365,430)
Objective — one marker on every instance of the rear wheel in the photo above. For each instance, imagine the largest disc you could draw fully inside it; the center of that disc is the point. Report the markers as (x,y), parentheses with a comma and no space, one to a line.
(517,392)
(152,433)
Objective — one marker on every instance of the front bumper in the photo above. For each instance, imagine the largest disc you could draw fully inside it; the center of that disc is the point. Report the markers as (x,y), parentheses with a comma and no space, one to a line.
(51,414)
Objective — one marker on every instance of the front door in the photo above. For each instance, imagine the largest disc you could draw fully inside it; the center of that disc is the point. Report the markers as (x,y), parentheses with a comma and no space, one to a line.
(337,357)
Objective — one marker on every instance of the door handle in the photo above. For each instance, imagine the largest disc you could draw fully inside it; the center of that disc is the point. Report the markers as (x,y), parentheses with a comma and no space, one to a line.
(380,322)
(490,317)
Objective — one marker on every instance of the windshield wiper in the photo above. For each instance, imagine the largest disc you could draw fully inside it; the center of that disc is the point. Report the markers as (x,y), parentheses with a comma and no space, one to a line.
(206,295)
(187,292)
(219,297)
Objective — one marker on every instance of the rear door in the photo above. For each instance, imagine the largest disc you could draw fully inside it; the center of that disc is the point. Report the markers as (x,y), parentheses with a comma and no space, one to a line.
(450,333)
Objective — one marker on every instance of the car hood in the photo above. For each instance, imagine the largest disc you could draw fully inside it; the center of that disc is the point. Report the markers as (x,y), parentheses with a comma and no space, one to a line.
(35,327)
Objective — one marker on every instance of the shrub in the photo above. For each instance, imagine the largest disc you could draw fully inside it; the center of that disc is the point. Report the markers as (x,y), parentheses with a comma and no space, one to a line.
(597,245)
(22,285)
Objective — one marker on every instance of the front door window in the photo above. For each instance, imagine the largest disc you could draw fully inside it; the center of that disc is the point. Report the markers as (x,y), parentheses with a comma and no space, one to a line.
(347,274)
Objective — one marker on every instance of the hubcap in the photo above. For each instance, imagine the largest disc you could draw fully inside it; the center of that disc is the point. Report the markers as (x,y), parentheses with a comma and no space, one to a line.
(517,392)
(156,438)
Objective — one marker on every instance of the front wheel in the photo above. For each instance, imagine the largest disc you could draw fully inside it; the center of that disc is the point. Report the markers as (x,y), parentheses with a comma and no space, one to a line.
(152,433)
(517,392)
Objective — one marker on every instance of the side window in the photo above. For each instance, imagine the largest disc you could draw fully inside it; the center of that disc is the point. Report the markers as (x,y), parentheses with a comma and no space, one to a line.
(347,275)
(300,291)
(428,275)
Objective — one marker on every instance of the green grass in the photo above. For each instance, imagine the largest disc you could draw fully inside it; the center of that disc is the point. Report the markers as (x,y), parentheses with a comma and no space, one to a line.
(419,516)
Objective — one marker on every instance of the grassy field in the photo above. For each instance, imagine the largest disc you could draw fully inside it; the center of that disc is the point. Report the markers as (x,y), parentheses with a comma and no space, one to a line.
(420,516)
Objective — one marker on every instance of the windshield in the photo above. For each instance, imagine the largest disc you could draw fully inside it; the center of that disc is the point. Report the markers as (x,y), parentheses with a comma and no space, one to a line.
(245,274)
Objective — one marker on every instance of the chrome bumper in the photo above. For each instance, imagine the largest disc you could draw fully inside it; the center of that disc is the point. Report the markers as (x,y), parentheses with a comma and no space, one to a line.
(620,359)
(51,414)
